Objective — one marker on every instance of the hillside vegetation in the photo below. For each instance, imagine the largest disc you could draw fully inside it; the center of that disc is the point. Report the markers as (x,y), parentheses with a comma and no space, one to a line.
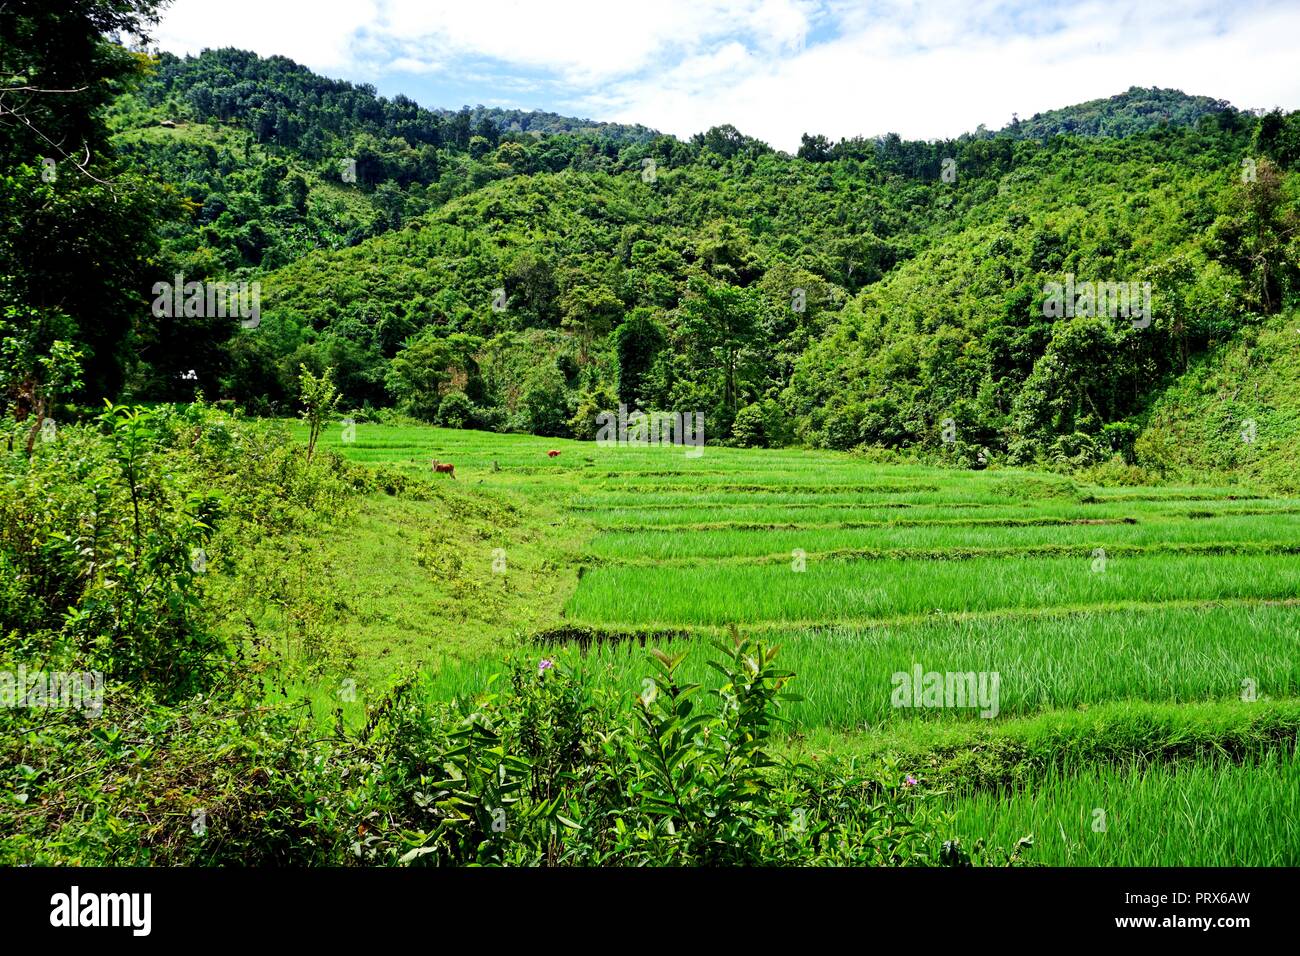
(866,292)
(1134,111)
(1234,412)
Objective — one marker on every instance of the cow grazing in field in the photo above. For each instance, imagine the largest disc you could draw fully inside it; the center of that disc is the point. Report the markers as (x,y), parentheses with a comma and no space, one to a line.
(443,467)
(552,453)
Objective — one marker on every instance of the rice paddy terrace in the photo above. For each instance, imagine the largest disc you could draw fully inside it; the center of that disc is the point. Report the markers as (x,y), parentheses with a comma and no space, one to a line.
(1141,643)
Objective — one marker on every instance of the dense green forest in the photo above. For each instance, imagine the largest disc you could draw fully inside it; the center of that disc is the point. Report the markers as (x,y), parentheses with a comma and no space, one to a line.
(700,275)
(510,271)
(1135,111)
(255,146)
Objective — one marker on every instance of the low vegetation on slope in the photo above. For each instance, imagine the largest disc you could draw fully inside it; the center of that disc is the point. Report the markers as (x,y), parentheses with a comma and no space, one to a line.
(172,737)
(356,706)
(1234,412)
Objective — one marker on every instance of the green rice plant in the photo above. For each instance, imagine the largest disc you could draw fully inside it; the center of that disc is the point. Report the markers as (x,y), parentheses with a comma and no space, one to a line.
(1206,813)
(833,591)
(1226,531)
(1143,638)
(744,513)
(1052,662)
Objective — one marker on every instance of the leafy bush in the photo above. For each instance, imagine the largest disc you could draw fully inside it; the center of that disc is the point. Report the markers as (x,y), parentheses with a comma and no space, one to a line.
(455,410)
(217,779)
(1121,437)
(105,537)
(549,770)
(108,532)
(550,773)
(545,411)
(1077,450)
(747,430)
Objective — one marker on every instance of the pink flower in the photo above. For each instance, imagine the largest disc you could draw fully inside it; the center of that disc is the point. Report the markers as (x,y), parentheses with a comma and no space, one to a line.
(544,665)
(909,781)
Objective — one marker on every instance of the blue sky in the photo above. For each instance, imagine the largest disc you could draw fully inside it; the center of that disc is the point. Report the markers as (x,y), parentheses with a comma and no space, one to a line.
(773,68)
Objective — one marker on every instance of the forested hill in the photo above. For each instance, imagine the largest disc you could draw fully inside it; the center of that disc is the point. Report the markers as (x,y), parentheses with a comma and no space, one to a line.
(921,300)
(288,104)
(259,148)
(524,271)
(1135,111)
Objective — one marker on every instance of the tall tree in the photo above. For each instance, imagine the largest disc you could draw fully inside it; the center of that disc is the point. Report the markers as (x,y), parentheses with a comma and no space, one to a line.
(76,233)
(636,343)
(717,324)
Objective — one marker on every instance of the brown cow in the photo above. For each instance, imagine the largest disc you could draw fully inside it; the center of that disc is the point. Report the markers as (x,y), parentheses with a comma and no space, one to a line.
(552,453)
(443,468)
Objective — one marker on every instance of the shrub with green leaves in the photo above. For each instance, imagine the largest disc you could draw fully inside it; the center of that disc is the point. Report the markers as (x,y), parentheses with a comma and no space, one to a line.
(105,536)
(546,769)
(135,537)
(550,772)
(109,531)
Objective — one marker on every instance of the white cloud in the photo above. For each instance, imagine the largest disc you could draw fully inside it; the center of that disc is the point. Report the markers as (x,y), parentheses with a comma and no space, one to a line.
(584,41)
(927,76)
(320,33)
(587,42)
(777,68)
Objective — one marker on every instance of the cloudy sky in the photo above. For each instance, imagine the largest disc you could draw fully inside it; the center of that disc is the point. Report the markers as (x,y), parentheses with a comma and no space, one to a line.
(773,68)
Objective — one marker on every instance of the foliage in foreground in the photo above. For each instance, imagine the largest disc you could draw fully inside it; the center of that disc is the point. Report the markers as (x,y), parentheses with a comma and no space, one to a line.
(108,532)
(687,776)
(122,541)
(547,771)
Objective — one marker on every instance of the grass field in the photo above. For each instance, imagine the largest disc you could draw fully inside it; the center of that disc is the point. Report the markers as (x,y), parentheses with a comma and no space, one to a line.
(1144,639)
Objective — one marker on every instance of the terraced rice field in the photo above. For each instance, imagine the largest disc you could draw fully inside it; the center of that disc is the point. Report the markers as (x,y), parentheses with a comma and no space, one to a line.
(1145,641)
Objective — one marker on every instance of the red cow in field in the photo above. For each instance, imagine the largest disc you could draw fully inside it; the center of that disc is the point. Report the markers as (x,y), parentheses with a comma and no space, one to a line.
(552,453)
(443,467)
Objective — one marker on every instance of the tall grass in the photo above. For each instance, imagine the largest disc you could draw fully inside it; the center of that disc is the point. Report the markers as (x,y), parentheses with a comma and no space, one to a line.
(844,675)
(831,591)
(671,544)
(1207,813)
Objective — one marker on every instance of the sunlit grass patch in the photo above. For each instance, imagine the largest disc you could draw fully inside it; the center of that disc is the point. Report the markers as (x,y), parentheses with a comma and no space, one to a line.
(829,591)
(1207,813)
